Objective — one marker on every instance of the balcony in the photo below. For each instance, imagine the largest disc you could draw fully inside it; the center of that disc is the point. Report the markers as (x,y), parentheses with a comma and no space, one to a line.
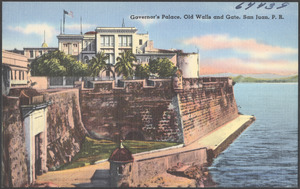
(18,82)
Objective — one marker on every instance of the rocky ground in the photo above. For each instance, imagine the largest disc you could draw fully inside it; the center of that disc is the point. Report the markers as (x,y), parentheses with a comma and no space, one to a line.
(183,176)
(168,180)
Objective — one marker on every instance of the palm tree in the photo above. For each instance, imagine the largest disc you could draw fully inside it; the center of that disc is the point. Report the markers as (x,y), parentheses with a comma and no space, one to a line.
(124,64)
(98,63)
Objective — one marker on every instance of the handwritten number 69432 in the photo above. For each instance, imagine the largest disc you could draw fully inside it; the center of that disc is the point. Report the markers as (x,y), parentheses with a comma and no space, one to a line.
(270,6)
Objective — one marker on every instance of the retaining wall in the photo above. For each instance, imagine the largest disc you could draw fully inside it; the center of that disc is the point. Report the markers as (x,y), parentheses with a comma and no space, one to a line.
(147,168)
(65,131)
(206,104)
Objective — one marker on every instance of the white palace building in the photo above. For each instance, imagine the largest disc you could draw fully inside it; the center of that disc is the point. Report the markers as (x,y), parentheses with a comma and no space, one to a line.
(115,40)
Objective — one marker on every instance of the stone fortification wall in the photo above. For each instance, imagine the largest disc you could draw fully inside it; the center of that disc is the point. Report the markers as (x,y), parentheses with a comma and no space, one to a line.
(145,169)
(135,110)
(205,104)
(65,131)
(14,170)
(151,110)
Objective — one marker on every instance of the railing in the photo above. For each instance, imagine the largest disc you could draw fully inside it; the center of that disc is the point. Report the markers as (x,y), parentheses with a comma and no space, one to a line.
(68,81)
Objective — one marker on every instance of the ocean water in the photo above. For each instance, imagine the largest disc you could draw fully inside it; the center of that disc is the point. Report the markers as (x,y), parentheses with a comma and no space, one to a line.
(266,153)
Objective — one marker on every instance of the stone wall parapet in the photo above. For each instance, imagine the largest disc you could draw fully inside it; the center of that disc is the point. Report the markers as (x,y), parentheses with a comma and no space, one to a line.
(157,84)
(124,85)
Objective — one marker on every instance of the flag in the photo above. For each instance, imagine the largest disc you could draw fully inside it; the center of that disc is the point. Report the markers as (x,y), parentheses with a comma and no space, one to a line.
(70,13)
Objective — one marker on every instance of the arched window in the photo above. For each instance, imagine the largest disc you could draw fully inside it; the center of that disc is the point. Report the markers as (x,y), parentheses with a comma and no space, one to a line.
(86,59)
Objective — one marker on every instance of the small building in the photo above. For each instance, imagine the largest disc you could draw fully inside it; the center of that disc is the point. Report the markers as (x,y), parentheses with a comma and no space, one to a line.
(34,52)
(15,71)
(189,63)
(121,167)
(71,44)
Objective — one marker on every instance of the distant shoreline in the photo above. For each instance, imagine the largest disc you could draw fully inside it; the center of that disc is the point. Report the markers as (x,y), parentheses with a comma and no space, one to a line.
(243,79)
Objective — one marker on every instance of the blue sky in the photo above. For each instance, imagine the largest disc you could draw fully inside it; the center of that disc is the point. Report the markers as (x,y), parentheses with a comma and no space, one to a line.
(225,45)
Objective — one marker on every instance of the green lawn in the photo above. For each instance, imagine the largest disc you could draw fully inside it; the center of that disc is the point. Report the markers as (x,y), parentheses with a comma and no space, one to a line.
(93,150)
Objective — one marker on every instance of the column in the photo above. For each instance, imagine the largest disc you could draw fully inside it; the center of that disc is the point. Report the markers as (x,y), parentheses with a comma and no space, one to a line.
(45,144)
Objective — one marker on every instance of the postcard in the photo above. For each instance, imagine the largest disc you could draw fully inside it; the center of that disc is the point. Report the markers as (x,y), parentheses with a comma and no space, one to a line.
(149,94)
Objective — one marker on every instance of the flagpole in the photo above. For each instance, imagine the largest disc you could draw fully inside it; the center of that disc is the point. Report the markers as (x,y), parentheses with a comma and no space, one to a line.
(64,20)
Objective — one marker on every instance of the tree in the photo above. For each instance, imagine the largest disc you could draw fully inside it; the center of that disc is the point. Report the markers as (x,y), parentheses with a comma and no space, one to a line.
(162,67)
(124,64)
(57,63)
(98,63)
(142,71)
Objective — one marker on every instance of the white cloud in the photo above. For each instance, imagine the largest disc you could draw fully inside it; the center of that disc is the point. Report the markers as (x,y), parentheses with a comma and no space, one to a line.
(247,46)
(247,66)
(147,22)
(37,29)
(77,27)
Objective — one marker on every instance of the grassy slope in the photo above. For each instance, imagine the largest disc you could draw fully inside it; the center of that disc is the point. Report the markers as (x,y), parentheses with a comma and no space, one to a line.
(93,150)
(241,79)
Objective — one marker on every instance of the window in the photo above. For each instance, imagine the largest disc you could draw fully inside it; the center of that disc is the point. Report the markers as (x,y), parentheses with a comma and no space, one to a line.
(125,41)
(15,74)
(107,73)
(86,44)
(31,54)
(120,170)
(74,45)
(23,73)
(20,75)
(120,41)
(65,45)
(11,75)
(140,42)
(102,41)
(41,53)
(111,58)
(107,41)
(89,45)
(93,45)
(129,38)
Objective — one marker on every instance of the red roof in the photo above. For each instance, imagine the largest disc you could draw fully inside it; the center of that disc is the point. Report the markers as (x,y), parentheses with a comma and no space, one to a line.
(91,32)
(25,90)
(121,155)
